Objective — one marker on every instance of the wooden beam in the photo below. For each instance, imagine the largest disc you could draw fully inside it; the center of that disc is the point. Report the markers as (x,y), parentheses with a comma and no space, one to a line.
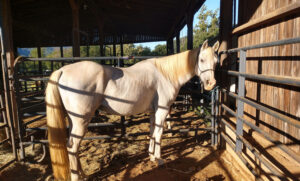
(76,36)
(9,50)
(225,27)
(33,28)
(274,15)
(7,53)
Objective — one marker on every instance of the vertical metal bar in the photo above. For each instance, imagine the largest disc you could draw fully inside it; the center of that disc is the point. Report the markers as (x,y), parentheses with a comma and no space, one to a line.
(6,86)
(216,115)
(62,54)
(114,52)
(177,43)
(213,118)
(190,19)
(240,104)
(40,68)
(40,62)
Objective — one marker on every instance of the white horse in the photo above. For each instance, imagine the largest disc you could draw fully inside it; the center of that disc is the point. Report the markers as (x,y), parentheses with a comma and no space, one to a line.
(75,91)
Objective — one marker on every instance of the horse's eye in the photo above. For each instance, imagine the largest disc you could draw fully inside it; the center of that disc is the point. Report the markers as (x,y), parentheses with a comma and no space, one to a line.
(202,60)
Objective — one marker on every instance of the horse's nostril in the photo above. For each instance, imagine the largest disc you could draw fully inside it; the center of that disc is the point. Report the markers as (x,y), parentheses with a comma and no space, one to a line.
(207,82)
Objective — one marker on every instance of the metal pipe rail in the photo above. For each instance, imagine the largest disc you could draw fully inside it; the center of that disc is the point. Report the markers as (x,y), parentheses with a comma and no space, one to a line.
(266,135)
(264,45)
(126,135)
(269,111)
(268,78)
(67,59)
(240,97)
(274,171)
(255,152)
(231,144)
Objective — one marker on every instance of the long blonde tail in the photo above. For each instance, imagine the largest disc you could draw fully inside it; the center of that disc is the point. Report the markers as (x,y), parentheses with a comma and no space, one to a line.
(57,129)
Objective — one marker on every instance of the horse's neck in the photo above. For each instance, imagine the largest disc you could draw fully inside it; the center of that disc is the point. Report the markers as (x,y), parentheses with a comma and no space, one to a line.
(178,68)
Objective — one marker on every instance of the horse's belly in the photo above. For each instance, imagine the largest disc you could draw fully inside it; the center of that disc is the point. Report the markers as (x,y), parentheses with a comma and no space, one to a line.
(126,106)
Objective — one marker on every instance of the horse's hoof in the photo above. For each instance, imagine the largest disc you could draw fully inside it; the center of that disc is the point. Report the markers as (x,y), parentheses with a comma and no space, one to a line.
(152,158)
(160,162)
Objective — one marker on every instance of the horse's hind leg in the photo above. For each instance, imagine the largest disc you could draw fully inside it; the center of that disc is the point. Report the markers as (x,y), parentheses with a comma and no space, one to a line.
(77,130)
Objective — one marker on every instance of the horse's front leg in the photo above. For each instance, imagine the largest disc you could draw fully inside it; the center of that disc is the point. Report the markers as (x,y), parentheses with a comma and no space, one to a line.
(151,144)
(160,116)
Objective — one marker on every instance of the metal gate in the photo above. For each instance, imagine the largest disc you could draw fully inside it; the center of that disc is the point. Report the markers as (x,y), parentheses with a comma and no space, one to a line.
(219,106)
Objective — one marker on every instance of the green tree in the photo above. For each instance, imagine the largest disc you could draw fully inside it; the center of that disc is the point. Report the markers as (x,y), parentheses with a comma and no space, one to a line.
(160,50)
(207,26)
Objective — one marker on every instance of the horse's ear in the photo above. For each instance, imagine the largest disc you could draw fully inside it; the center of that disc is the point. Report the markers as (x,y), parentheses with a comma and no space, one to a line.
(216,46)
(204,45)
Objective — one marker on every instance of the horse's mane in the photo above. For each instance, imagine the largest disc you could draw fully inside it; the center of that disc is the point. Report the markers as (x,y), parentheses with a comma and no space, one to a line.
(177,65)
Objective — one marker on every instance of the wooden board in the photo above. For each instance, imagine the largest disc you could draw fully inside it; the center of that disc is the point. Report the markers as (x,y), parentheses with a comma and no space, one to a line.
(281,61)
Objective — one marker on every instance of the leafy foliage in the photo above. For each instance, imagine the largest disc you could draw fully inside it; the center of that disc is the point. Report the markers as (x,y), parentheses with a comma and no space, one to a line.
(207,26)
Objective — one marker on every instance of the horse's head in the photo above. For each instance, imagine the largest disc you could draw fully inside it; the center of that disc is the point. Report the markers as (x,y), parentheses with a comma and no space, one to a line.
(206,64)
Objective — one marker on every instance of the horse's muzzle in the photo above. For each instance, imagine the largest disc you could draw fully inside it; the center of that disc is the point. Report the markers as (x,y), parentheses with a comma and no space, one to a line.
(211,84)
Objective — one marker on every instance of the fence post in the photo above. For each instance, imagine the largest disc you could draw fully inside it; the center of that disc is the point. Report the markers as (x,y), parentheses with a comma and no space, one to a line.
(240,104)
(20,125)
(8,96)
(213,118)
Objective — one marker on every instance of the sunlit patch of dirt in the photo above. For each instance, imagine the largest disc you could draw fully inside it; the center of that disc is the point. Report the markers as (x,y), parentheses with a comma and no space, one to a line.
(187,157)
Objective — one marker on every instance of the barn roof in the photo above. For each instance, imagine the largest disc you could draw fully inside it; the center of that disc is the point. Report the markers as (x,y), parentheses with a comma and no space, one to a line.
(49,22)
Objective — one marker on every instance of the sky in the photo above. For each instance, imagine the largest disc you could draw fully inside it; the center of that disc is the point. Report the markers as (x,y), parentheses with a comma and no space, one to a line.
(211,5)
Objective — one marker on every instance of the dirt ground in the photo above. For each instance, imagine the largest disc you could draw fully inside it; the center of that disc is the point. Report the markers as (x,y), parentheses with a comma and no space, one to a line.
(187,157)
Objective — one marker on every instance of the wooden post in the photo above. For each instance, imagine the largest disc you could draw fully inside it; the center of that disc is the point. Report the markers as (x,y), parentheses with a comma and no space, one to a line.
(170,46)
(76,35)
(101,42)
(39,53)
(189,21)
(9,53)
(225,44)
(177,43)
(7,58)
